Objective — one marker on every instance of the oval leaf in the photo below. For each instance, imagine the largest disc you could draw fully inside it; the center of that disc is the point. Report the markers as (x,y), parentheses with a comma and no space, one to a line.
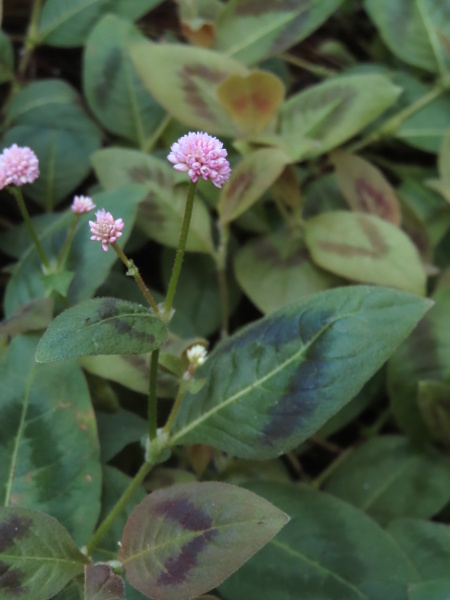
(365,188)
(102,326)
(365,248)
(250,179)
(37,555)
(275,383)
(184,80)
(184,540)
(101,583)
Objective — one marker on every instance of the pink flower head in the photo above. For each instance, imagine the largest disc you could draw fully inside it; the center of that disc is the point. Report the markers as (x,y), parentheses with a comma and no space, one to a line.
(18,165)
(201,155)
(105,229)
(82,204)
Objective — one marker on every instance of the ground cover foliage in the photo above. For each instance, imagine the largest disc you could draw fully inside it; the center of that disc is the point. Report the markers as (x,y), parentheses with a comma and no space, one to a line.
(308,455)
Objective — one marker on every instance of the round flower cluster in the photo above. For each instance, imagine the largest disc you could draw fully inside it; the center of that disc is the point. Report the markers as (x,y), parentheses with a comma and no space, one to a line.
(82,204)
(197,355)
(201,155)
(18,165)
(106,230)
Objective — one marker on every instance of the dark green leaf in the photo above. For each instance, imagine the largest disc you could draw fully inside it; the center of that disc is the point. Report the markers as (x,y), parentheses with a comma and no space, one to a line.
(328,551)
(48,117)
(276,382)
(433,398)
(6,57)
(432,590)
(102,326)
(117,430)
(68,24)
(49,452)
(184,540)
(37,555)
(389,478)
(30,317)
(113,90)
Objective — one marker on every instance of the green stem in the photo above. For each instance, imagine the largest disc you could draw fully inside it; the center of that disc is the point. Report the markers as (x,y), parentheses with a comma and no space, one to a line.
(175,408)
(152,399)
(133,270)
(68,242)
(318,70)
(31,40)
(181,248)
(222,277)
(150,142)
(394,122)
(331,468)
(16,192)
(121,504)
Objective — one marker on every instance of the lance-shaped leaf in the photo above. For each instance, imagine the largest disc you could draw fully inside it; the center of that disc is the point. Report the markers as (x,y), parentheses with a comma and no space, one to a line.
(365,188)
(417,31)
(68,23)
(250,179)
(184,540)
(161,211)
(275,26)
(325,115)
(328,551)
(113,89)
(37,555)
(184,80)
(102,326)
(252,101)
(365,248)
(46,410)
(275,383)
(101,583)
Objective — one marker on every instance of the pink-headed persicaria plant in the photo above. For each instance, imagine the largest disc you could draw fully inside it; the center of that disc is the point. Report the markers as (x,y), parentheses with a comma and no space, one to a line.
(106,230)
(82,204)
(18,166)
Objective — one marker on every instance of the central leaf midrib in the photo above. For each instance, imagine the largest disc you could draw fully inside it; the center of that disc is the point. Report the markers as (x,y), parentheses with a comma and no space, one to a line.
(248,389)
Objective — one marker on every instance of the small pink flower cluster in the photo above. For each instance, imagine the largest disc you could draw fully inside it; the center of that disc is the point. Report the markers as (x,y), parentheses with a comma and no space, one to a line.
(82,204)
(201,155)
(18,165)
(106,230)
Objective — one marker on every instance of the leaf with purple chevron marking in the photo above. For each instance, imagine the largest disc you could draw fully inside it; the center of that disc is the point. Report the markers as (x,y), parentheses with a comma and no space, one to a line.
(365,248)
(275,25)
(184,80)
(365,188)
(101,583)
(184,540)
(276,382)
(102,326)
(37,555)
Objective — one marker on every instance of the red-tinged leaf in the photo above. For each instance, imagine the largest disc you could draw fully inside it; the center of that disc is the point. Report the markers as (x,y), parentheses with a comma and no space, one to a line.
(101,583)
(37,555)
(365,188)
(252,101)
(184,80)
(184,540)
(250,179)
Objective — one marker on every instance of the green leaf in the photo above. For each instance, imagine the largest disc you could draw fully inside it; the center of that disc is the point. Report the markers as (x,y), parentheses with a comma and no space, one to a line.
(102,326)
(37,555)
(276,270)
(30,317)
(251,31)
(276,382)
(45,411)
(433,398)
(184,80)
(365,188)
(113,90)
(328,551)
(67,24)
(425,544)
(423,357)
(327,114)
(101,583)
(130,370)
(117,430)
(388,478)
(48,117)
(161,211)
(365,248)
(6,57)
(432,590)
(253,176)
(417,31)
(184,540)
